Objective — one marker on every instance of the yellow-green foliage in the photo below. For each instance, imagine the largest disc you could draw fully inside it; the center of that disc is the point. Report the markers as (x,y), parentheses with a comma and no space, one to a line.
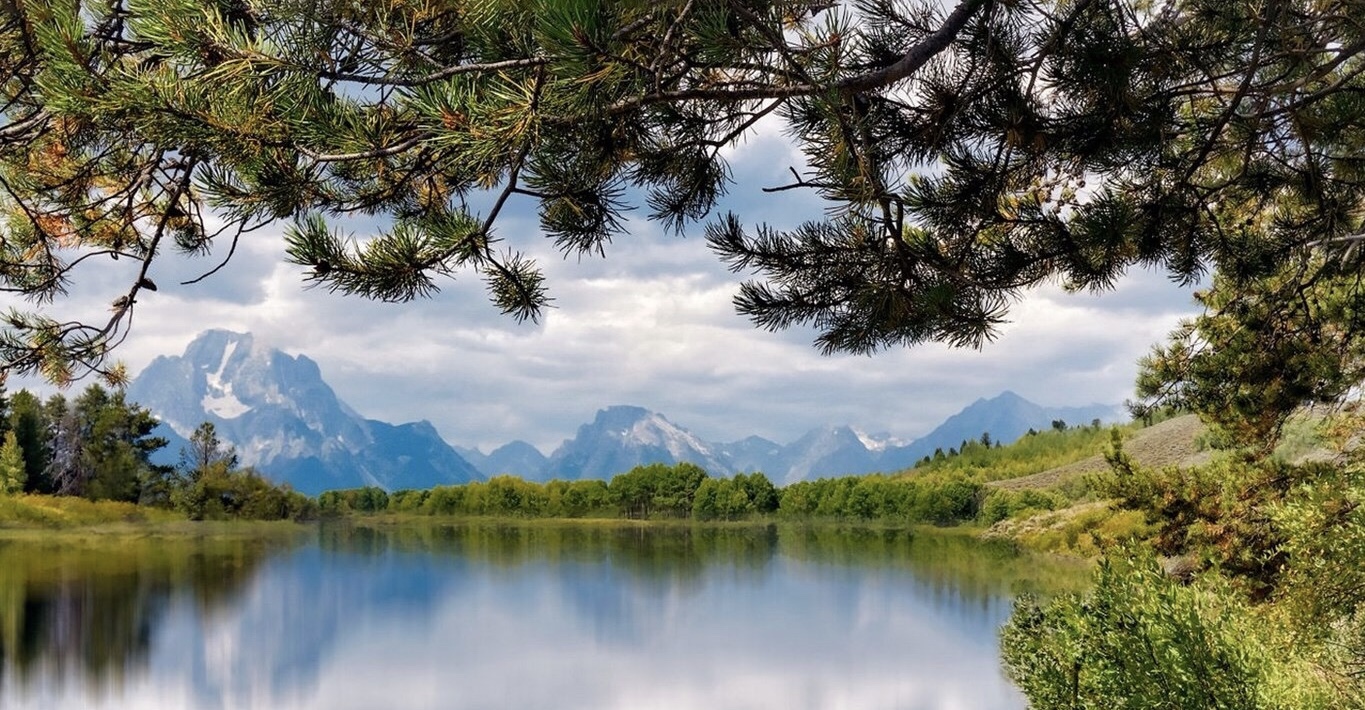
(941,501)
(510,496)
(1140,639)
(1031,454)
(1084,530)
(70,511)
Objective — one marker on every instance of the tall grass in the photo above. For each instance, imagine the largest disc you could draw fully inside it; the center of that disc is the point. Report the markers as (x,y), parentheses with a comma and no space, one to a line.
(28,511)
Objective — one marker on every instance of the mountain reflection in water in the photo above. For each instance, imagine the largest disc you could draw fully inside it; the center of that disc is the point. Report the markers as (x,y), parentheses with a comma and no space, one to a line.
(506,616)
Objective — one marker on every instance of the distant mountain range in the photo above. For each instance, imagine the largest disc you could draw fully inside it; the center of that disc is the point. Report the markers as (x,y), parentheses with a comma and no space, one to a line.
(288,423)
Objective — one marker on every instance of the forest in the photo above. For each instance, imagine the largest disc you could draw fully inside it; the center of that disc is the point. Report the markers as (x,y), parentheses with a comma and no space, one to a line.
(98,446)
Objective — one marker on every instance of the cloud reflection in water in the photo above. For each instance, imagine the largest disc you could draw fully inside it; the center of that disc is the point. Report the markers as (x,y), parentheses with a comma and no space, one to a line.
(597,623)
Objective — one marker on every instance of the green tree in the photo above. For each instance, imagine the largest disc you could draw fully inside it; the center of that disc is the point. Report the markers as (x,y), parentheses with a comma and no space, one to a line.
(12,473)
(28,421)
(118,449)
(657,488)
(760,491)
(966,153)
(1260,352)
(222,493)
(205,451)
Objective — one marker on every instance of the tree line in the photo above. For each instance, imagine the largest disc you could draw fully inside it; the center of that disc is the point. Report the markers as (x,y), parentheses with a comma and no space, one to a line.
(685,491)
(99,446)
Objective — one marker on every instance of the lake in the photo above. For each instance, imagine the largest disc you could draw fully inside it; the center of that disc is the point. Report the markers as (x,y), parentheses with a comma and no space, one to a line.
(559,617)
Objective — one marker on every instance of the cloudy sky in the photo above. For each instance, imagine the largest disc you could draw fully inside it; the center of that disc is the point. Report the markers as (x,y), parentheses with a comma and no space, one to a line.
(652,324)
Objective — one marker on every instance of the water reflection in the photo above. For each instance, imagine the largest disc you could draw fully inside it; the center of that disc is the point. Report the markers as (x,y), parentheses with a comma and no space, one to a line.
(83,613)
(494,616)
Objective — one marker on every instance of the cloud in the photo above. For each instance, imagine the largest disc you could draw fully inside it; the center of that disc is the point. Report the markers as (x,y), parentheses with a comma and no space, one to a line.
(650,324)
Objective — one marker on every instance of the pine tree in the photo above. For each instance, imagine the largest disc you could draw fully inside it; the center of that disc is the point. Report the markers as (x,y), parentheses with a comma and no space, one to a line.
(29,423)
(205,452)
(965,153)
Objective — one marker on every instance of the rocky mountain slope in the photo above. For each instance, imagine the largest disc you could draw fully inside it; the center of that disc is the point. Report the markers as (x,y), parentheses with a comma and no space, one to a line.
(286,421)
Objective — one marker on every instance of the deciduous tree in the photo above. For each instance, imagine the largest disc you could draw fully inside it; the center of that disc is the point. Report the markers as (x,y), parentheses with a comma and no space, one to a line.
(12,473)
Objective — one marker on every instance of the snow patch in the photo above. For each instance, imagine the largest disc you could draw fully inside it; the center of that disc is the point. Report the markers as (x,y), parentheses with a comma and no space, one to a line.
(877,442)
(657,431)
(219,399)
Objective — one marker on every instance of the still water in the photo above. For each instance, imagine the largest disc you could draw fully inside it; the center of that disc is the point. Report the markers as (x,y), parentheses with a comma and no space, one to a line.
(494,616)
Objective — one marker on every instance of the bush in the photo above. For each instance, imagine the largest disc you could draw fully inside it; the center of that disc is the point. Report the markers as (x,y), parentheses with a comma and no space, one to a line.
(244,494)
(1142,640)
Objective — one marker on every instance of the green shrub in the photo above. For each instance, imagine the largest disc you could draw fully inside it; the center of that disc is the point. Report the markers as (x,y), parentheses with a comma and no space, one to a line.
(1140,640)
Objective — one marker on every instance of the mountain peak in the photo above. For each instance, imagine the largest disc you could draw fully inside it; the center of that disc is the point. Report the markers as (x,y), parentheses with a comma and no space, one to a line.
(210,345)
(284,419)
(622,437)
(621,415)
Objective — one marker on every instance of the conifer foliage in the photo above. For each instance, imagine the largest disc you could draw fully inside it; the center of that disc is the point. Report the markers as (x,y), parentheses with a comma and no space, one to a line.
(965,152)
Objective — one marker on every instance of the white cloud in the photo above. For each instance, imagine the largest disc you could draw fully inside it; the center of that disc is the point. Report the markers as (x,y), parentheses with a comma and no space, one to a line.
(651,324)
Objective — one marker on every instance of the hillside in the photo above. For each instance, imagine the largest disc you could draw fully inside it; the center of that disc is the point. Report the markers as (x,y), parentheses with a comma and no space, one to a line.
(1172,442)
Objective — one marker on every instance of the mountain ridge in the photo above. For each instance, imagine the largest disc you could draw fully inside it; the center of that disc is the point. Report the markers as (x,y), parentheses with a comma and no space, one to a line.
(287,421)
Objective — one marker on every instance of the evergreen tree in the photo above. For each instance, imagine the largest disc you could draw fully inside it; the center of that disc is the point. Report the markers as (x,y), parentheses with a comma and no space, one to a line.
(12,474)
(204,452)
(965,153)
(66,467)
(28,421)
(1247,364)
(117,449)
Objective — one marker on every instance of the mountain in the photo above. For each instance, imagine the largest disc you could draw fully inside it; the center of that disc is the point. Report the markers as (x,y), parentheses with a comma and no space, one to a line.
(517,458)
(840,450)
(751,454)
(287,422)
(827,451)
(621,438)
(1006,417)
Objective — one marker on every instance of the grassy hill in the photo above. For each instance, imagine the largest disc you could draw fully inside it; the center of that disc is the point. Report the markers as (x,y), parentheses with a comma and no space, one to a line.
(1053,458)
(1040,487)
(1174,442)
(1075,518)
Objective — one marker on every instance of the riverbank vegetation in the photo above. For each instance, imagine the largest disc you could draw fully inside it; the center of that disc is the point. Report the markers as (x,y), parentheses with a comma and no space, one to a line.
(947,489)
(87,460)
(1248,588)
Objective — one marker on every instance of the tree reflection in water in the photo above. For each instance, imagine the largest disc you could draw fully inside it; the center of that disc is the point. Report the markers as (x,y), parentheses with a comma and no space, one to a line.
(84,609)
(117,622)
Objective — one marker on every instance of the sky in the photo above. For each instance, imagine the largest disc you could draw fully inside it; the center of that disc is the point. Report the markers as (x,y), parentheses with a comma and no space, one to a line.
(652,324)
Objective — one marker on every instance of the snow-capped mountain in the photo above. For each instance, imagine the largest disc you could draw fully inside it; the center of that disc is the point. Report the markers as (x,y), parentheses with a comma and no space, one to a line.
(827,451)
(286,421)
(621,437)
